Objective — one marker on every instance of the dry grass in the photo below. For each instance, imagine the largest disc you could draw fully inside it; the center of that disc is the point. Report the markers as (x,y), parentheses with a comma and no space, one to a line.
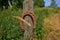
(52,24)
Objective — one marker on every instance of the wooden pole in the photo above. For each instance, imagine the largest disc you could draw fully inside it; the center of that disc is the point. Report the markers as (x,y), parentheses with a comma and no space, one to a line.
(28,6)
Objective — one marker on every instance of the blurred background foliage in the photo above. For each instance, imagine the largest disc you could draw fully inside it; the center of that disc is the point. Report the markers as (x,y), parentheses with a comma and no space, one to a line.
(39,3)
(19,3)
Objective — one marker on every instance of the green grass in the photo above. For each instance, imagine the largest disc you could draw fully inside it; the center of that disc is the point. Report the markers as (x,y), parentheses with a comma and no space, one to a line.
(10,28)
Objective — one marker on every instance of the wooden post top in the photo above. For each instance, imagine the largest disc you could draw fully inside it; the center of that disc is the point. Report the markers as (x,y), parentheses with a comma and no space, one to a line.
(28,5)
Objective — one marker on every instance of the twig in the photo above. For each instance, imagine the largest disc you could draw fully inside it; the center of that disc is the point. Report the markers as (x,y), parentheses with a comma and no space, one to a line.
(22,20)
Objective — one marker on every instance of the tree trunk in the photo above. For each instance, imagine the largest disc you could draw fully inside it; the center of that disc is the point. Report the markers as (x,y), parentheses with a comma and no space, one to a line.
(9,3)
